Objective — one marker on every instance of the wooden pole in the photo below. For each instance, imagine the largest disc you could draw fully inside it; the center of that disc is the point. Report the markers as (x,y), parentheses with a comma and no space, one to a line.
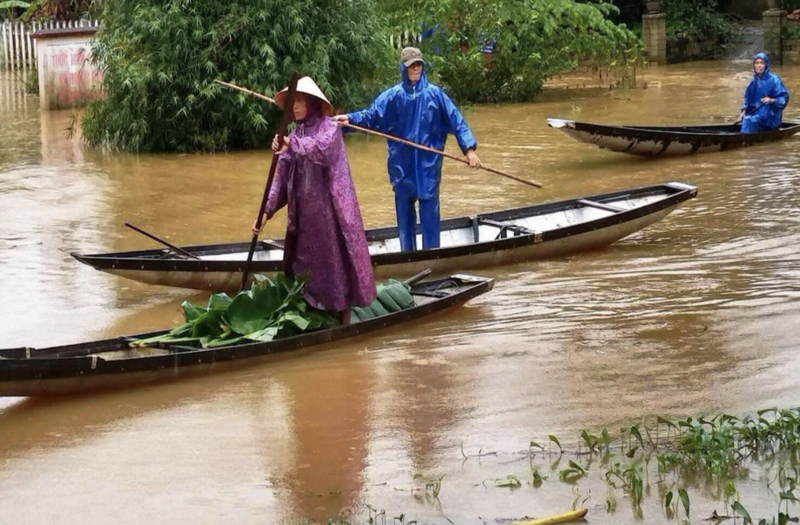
(442,153)
(398,139)
(558,518)
(162,241)
(288,116)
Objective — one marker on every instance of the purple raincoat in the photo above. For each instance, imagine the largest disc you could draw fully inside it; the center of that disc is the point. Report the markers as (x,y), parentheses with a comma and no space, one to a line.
(324,232)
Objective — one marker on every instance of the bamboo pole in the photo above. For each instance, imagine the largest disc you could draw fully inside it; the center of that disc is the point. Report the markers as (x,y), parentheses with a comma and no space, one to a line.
(558,518)
(285,121)
(398,139)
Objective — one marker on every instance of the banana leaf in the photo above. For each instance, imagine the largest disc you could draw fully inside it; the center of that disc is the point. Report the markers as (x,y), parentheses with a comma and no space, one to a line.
(269,310)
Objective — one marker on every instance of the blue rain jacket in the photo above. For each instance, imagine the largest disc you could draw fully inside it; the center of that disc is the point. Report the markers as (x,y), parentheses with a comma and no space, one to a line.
(423,114)
(767,116)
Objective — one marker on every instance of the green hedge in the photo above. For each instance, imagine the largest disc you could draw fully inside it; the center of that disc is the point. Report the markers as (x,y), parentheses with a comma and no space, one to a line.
(161,57)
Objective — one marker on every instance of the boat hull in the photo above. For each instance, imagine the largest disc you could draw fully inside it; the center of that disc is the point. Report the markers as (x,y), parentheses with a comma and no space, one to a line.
(591,240)
(532,233)
(668,141)
(106,365)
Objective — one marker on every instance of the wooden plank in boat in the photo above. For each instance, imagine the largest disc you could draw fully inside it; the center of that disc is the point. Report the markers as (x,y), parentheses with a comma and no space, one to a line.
(601,206)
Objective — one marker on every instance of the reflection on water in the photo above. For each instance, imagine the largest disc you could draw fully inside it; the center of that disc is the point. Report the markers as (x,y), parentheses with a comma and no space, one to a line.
(695,314)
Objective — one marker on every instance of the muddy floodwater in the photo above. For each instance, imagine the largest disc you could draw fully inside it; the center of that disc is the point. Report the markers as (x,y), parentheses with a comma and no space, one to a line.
(699,313)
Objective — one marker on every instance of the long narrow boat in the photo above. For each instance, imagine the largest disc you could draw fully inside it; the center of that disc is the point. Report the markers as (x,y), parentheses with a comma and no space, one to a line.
(652,141)
(112,363)
(505,237)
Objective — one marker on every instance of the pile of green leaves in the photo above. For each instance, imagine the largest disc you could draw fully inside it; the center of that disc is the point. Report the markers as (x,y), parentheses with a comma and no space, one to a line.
(269,310)
(697,19)
(534,40)
(160,59)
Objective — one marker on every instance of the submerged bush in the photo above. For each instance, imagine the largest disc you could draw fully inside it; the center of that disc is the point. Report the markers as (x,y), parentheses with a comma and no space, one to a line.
(160,59)
(697,19)
(531,40)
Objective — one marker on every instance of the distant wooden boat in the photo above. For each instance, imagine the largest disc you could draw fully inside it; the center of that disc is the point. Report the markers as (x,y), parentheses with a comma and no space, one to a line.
(652,141)
(491,239)
(112,363)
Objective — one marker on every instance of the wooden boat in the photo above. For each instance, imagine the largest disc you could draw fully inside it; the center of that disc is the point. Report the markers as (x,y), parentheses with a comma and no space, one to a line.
(112,363)
(651,141)
(490,239)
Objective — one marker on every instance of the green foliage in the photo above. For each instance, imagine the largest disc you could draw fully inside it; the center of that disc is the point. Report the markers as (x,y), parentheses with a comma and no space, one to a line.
(269,310)
(696,19)
(791,32)
(393,296)
(535,40)
(160,59)
(716,449)
(511,481)
(554,439)
(32,82)
(52,9)
(430,486)
(10,4)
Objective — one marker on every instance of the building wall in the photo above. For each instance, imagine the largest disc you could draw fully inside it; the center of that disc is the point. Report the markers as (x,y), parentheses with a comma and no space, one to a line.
(67,77)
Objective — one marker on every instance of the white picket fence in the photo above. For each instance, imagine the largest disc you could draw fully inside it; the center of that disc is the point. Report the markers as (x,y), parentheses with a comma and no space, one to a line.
(18,49)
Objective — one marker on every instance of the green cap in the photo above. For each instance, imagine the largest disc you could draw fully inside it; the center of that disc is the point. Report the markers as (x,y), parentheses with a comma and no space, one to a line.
(411,55)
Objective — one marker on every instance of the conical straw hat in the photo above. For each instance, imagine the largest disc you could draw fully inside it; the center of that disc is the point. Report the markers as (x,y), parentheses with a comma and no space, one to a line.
(309,87)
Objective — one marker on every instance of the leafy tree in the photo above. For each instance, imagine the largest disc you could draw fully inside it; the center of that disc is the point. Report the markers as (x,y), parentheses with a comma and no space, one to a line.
(160,59)
(531,40)
(696,19)
(51,9)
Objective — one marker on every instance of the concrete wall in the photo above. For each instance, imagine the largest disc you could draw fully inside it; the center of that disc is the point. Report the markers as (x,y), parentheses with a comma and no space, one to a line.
(773,26)
(67,78)
(791,48)
(654,34)
(685,50)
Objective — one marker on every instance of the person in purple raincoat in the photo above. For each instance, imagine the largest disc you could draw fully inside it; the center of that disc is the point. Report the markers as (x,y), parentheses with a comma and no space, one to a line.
(325,239)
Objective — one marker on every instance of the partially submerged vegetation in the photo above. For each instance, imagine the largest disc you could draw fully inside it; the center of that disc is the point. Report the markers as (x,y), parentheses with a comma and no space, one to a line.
(505,50)
(160,59)
(696,19)
(717,449)
(676,456)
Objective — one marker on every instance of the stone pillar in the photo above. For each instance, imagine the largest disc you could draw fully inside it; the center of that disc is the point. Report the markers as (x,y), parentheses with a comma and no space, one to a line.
(654,34)
(774,20)
(66,74)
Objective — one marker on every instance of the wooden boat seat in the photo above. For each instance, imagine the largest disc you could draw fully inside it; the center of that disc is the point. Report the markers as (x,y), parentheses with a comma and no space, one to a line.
(505,227)
(601,206)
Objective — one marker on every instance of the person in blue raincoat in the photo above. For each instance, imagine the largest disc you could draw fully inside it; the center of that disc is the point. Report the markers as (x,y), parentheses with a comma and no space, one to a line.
(764,100)
(421,112)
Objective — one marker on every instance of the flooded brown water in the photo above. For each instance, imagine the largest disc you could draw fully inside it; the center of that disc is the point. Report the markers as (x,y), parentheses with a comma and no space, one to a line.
(697,314)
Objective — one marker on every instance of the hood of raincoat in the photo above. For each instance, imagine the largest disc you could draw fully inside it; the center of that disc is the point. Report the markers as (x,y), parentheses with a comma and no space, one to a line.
(763,56)
(407,85)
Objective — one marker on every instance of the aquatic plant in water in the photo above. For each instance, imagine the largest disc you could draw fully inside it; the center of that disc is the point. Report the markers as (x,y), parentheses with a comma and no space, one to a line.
(718,448)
